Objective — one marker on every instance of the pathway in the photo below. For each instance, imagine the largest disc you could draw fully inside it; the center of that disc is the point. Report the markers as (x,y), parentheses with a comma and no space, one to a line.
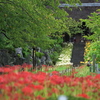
(65,57)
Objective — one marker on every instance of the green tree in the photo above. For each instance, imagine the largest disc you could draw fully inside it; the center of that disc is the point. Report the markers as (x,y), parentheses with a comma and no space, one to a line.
(93,23)
(30,22)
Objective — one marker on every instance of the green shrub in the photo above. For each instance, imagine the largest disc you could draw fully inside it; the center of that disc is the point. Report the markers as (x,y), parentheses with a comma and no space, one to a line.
(39,54)
(54,57)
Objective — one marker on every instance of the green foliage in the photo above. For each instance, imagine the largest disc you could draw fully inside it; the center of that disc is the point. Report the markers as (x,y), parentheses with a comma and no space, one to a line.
(62,67)
(93,23)
(74,26)
(30,22)
(94,48)
(5,43)
(83,72)
(54,57)
(58,48)
(99,65)
(27,51)
(39,54)
(19,55)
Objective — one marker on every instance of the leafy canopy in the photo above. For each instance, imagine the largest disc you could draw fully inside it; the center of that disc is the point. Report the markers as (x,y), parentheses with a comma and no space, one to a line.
(93,22)
(30,22)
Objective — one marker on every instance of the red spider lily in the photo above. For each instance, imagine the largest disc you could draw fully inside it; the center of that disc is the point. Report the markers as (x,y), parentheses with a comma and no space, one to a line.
(83,96)
(2,80)
(97,76)
(40,98)
(83,88)
(17,96)
(2,86)
(18,84)
(40,77)
(6,88)
(26,65)
(90,83)
(55,90)
(67,80)
(55,79)
(27,90)
(7,70)
(38,87)
(50,94)
(55,72)
(27,84)
(1,69)
(75,82)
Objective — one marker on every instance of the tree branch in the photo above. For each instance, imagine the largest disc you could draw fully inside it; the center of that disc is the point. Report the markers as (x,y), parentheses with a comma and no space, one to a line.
(2,32)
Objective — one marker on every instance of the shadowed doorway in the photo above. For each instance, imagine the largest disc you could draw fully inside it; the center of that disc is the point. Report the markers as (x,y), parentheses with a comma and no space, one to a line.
(66,37)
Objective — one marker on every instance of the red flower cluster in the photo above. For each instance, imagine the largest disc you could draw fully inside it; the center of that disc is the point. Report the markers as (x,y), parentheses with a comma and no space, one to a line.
(40,86)
(8,68)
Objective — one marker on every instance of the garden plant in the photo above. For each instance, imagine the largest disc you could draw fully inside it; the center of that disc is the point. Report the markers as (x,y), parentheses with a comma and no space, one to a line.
(26,85)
